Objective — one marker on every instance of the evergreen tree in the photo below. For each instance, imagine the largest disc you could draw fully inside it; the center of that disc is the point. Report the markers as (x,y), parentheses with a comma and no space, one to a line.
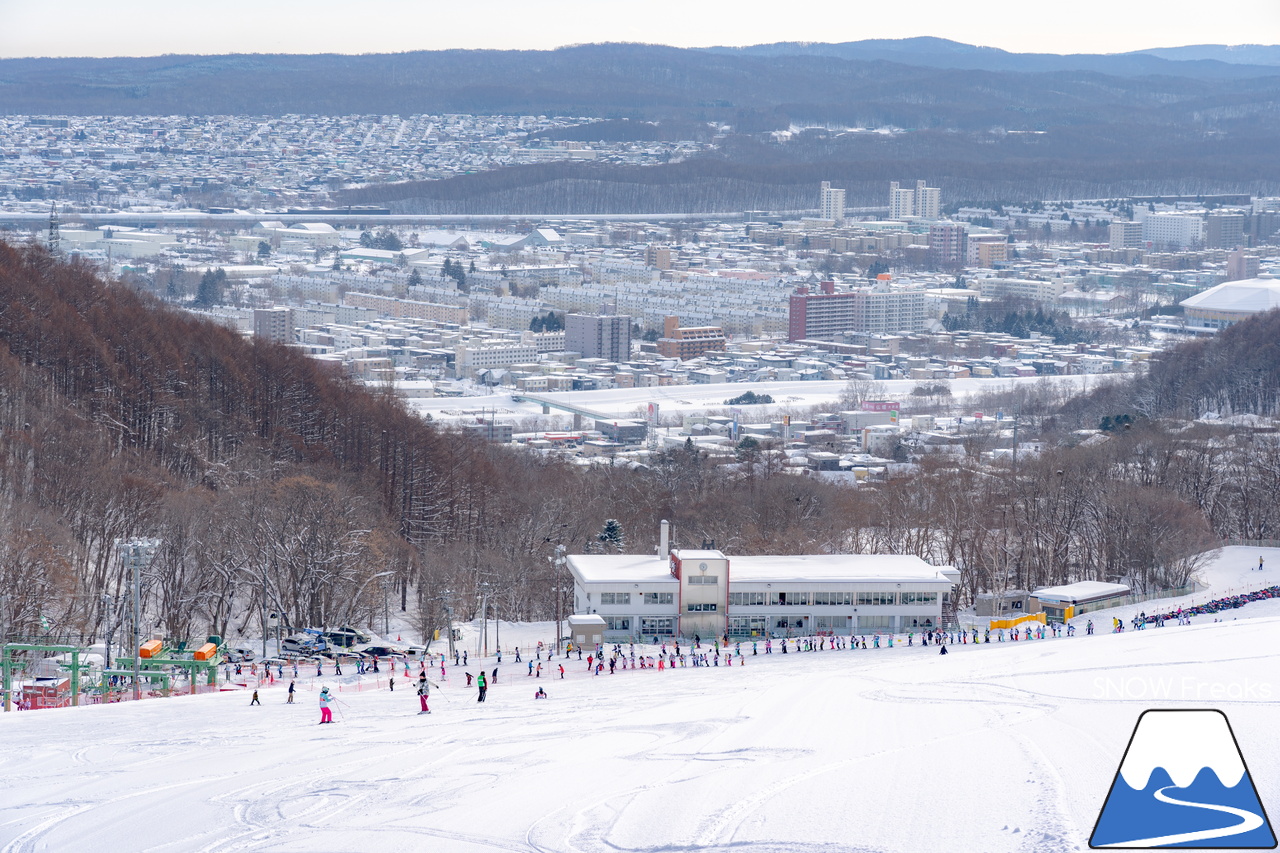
(388,240)
(212,284)
(611,535)
(415,278)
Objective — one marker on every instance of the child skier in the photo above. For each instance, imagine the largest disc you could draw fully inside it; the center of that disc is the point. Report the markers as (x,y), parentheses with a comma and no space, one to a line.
(326,713)
(424,693)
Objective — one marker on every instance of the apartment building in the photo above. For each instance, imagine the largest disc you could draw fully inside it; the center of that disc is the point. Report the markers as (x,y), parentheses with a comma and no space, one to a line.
(408,308)
(1173,231)
(1040,291)
(689,341)
(1125,235)
(828,314)
(273,324)
(923,202)
(831,203)
(948,244)
(606,336)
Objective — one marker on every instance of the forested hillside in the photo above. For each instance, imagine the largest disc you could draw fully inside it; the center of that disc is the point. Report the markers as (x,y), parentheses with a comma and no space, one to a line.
(1235,372)
(259,469)
(784,178)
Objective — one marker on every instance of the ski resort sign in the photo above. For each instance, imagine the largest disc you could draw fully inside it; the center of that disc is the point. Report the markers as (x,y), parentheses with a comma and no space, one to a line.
(1183,782)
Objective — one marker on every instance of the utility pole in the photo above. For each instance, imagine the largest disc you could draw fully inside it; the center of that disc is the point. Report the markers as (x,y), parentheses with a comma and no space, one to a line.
(266,627)
(1015,444)
(386,590)
(134,559)
(446,600)
(484,618)
(557,563)
(558,591)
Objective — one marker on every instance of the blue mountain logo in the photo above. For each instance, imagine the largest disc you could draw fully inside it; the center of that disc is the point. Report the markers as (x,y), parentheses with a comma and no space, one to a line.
(1183,783)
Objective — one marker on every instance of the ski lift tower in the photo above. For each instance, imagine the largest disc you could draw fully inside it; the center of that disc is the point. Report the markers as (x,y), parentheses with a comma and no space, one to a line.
(137,555)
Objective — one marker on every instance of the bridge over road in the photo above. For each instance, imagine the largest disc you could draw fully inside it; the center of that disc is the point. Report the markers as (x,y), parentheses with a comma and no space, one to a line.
(578,412)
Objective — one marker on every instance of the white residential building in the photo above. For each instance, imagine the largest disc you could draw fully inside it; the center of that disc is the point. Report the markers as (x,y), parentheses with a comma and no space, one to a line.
(1125,235)
(831,203)
(1172,231)
(923,202)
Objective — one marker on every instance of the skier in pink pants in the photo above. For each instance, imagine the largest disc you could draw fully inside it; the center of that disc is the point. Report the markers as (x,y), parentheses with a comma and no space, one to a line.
(326,713)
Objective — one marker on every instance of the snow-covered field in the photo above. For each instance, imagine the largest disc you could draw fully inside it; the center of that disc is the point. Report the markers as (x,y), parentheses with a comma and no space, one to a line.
(689,399)
(995,747)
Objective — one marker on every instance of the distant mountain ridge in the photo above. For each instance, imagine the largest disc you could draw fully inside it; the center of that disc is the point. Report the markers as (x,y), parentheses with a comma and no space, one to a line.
(1200,61)
(1016,127)
(929,82)
(1235,54)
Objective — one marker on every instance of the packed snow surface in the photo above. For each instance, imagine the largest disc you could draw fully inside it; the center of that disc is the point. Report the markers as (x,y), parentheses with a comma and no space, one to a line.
(994,747)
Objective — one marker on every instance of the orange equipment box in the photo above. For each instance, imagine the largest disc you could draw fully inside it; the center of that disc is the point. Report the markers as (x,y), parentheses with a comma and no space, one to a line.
(205,652)
(150,649)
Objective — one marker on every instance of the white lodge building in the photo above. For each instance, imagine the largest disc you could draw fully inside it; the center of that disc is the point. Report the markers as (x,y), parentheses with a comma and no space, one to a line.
(699,592)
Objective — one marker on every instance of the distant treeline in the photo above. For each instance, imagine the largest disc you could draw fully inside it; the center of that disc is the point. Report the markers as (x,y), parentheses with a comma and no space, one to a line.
(721,185)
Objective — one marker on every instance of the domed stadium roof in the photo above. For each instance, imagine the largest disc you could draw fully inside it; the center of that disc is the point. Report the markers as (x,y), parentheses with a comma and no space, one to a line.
(1250,296)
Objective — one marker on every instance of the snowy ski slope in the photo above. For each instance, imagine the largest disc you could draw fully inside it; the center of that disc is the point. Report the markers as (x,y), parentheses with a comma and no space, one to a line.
(996,747)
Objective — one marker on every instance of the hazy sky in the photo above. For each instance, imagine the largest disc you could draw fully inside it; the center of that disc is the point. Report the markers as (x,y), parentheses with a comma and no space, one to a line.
(150,27)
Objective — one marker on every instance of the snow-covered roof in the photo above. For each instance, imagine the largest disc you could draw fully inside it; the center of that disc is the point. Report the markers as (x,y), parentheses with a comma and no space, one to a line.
(1081,591)
(838,567)
(1252,295)
(698,554)
(620,568)
(441,238)
(642,568)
